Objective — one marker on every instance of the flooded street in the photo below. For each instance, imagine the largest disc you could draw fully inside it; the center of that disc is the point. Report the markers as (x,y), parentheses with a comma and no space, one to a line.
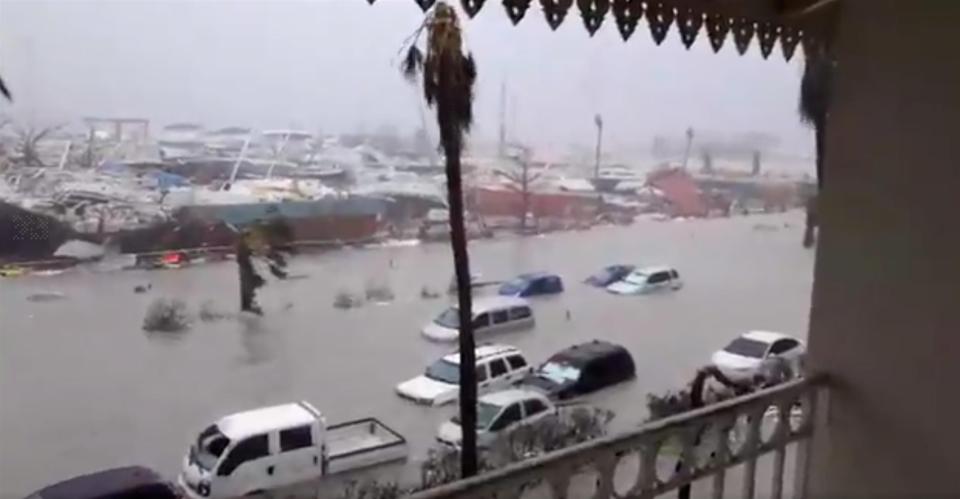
(83,388)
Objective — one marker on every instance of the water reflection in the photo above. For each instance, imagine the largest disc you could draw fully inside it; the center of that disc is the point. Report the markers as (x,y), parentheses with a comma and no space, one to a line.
(258,343)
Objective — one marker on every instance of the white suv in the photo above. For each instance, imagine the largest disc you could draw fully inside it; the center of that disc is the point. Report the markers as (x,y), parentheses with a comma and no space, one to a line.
(498,367)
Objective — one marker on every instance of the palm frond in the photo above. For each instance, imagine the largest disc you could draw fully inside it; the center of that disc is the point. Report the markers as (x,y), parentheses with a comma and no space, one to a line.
(412,63)
(5,91)
(815,88)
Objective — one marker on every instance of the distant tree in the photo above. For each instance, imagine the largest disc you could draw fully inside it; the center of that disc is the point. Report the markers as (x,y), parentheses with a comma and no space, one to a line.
(268,242)
(520,180)
(27,144)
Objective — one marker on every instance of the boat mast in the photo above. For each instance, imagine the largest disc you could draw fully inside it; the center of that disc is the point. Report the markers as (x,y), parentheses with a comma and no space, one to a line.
(236,165)
(273,162)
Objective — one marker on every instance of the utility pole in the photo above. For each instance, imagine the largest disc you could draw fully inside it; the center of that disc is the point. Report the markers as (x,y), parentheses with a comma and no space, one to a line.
(686,153)
(502,144)
(598,120)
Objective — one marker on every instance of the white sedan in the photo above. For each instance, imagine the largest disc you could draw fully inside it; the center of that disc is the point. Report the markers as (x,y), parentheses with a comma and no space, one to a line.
(755,353)
(647,280)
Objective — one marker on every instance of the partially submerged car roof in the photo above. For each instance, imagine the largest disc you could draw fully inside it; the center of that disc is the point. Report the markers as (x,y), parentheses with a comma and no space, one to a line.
(482,352)
(489,303)
(579,355)
(130,482)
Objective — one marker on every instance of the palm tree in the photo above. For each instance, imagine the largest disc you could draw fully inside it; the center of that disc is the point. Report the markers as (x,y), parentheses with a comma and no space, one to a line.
(814,109)
(448,76)
(268,241)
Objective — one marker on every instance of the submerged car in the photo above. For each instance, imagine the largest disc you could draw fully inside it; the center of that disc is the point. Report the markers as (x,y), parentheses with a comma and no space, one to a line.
(130,482)
(499,413)
(533,284)
(609,275)
(490,315)
(583,369)
(498,367)
(756,353)
(647,280)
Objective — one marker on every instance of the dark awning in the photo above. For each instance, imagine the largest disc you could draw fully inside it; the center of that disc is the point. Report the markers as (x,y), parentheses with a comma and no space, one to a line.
(789,22)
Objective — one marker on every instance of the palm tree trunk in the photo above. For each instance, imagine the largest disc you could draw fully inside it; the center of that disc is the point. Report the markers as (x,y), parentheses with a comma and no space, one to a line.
(461,265)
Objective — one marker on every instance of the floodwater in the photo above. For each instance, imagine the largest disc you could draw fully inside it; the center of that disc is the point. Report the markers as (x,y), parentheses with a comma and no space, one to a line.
(82,387)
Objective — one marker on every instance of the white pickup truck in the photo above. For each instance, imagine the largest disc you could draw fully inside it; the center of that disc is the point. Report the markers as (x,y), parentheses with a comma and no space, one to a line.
(273,447)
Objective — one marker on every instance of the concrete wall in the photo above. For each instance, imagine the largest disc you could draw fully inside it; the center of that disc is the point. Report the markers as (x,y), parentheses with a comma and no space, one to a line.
(885,321)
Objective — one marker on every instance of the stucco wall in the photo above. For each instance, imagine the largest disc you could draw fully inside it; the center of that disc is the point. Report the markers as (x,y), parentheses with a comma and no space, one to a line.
(885,322)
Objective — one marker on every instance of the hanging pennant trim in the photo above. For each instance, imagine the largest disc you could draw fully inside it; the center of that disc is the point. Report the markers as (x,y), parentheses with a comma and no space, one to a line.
(516,9)
(767,37)
(789,38)
(717,28)
(628,14)
(659,18)
(689,22)
(471,7)
(555,11)
(742,33)
(593,12)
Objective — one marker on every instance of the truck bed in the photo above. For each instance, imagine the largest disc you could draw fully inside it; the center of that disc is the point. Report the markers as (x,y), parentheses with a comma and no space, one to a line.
(361,443)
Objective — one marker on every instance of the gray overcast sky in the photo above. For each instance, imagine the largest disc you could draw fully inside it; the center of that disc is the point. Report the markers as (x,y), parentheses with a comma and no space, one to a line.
(333,65)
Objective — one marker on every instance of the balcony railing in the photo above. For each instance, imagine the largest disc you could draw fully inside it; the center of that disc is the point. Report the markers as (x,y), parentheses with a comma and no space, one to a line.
(672,452)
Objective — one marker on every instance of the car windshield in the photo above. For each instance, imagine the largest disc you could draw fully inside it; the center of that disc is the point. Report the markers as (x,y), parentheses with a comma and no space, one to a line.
(559,372)
(513,286)
(636,278)
(747,348)
(485,413)
(209,447)
(450,318)
(444,371)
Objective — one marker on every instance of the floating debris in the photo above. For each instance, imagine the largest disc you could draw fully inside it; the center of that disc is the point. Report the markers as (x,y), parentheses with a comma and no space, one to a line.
(428,294)
(166,315)
(347,300)
(379,292)
(46,296)
(209,312)
(142,288)
(762,227)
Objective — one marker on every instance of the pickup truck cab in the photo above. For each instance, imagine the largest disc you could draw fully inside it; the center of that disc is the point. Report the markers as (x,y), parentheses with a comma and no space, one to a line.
(273,447)
(499,413)
(498,367)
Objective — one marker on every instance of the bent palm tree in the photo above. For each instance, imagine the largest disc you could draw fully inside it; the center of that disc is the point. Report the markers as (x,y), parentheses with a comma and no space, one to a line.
(448,76)
(268,241)
(814,109)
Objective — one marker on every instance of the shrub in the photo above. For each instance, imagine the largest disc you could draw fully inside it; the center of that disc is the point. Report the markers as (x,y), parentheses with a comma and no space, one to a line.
(166,315)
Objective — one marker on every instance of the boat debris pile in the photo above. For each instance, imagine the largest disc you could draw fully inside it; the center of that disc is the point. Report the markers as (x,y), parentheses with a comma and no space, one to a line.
(189,190)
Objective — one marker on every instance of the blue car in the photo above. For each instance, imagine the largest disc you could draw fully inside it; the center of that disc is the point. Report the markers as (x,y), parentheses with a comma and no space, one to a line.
(534,284)
(609,275)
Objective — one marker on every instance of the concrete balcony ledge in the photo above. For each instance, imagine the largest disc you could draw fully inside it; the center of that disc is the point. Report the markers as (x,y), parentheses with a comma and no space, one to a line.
(708,442)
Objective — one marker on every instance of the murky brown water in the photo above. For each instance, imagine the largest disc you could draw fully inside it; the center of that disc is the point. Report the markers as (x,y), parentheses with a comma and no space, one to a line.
(83,388)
